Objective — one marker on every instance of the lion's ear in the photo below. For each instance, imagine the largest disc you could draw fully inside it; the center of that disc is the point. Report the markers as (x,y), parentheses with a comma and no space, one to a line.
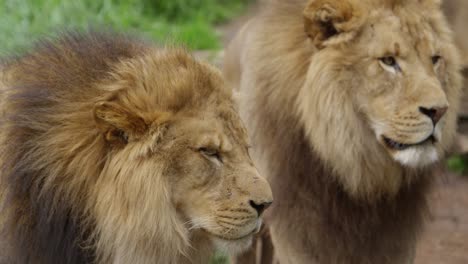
(118,124)
(325,20)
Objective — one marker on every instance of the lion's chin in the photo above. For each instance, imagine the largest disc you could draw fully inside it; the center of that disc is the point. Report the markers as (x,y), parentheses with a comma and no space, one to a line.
(235,246)
(419,156)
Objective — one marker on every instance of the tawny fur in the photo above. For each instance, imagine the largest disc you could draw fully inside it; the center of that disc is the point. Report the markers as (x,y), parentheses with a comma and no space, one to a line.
(116,151)
(457,14)
(318,101)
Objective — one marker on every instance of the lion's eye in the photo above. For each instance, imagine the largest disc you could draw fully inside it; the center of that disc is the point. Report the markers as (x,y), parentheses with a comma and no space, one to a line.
(435,59)
(390,64)
(210,153)
(390,61)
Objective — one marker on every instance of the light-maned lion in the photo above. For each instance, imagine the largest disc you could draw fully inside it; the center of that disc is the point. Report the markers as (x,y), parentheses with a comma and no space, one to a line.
(116,151)
(349,103)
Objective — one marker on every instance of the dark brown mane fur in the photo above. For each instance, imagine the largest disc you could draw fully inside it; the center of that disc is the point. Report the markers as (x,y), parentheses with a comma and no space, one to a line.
(340,228)
(47,226)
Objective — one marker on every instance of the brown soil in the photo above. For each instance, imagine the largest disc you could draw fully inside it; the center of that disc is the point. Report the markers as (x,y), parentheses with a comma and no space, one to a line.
(445,240)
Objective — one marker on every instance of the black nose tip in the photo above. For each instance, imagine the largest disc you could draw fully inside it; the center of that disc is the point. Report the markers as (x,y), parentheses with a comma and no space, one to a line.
(435,113)
(259,207)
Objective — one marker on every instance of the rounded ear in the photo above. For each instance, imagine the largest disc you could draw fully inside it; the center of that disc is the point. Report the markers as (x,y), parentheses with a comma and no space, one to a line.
(118,124)
(326,19)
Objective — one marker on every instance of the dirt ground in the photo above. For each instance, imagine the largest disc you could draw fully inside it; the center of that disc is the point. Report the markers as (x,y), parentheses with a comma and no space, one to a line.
(445,239)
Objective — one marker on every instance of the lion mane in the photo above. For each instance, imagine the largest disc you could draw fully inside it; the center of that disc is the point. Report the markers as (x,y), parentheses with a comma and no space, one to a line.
(334,95)
(112,152)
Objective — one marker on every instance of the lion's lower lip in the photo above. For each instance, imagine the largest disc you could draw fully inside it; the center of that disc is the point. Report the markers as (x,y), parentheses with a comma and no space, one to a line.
(401,146)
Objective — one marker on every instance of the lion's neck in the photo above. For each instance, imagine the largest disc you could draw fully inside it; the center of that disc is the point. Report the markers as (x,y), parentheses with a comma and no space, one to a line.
(339,228)
(150,252)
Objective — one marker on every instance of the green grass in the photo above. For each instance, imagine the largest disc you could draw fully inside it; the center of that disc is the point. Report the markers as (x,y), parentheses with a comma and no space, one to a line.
(219,258)
(458,164)
(189,22)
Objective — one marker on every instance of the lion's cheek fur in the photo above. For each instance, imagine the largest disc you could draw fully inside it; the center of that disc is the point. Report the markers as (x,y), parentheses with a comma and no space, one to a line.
(325,107)
(148,226)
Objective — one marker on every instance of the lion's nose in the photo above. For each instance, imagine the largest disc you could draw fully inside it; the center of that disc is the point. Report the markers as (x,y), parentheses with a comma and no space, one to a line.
(434,113)
(259,206)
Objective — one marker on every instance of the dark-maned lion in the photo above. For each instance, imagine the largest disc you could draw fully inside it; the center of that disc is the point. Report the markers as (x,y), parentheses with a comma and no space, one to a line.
(350,103)
(115,151)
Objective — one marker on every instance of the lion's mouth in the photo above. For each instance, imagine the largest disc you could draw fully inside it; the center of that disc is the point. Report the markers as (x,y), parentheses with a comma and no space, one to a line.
(392,144)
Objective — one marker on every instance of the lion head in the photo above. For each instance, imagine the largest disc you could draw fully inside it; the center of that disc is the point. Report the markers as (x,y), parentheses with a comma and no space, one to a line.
(150,154)
(190,141)
(382,85)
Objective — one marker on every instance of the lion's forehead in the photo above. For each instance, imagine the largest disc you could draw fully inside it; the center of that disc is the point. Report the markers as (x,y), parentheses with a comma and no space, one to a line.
(218,129)
(395,33)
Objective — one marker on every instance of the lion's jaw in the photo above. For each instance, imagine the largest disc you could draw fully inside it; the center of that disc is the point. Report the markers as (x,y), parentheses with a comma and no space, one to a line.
(408,136)
(225,215)
(240,244)
(422,152)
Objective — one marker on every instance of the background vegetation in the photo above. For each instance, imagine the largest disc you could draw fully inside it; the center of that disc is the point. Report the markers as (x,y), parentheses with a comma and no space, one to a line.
(190,22)
(458,164)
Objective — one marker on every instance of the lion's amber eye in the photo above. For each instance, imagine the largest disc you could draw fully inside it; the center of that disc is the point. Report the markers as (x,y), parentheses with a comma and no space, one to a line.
(390,61)
(436,59)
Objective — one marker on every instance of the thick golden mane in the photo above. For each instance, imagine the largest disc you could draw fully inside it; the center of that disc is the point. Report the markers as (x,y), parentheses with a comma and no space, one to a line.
(58,197)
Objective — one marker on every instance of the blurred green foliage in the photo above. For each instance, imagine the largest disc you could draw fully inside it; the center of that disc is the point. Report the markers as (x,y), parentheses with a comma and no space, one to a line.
(458,164)
(219,258)
(190,22)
